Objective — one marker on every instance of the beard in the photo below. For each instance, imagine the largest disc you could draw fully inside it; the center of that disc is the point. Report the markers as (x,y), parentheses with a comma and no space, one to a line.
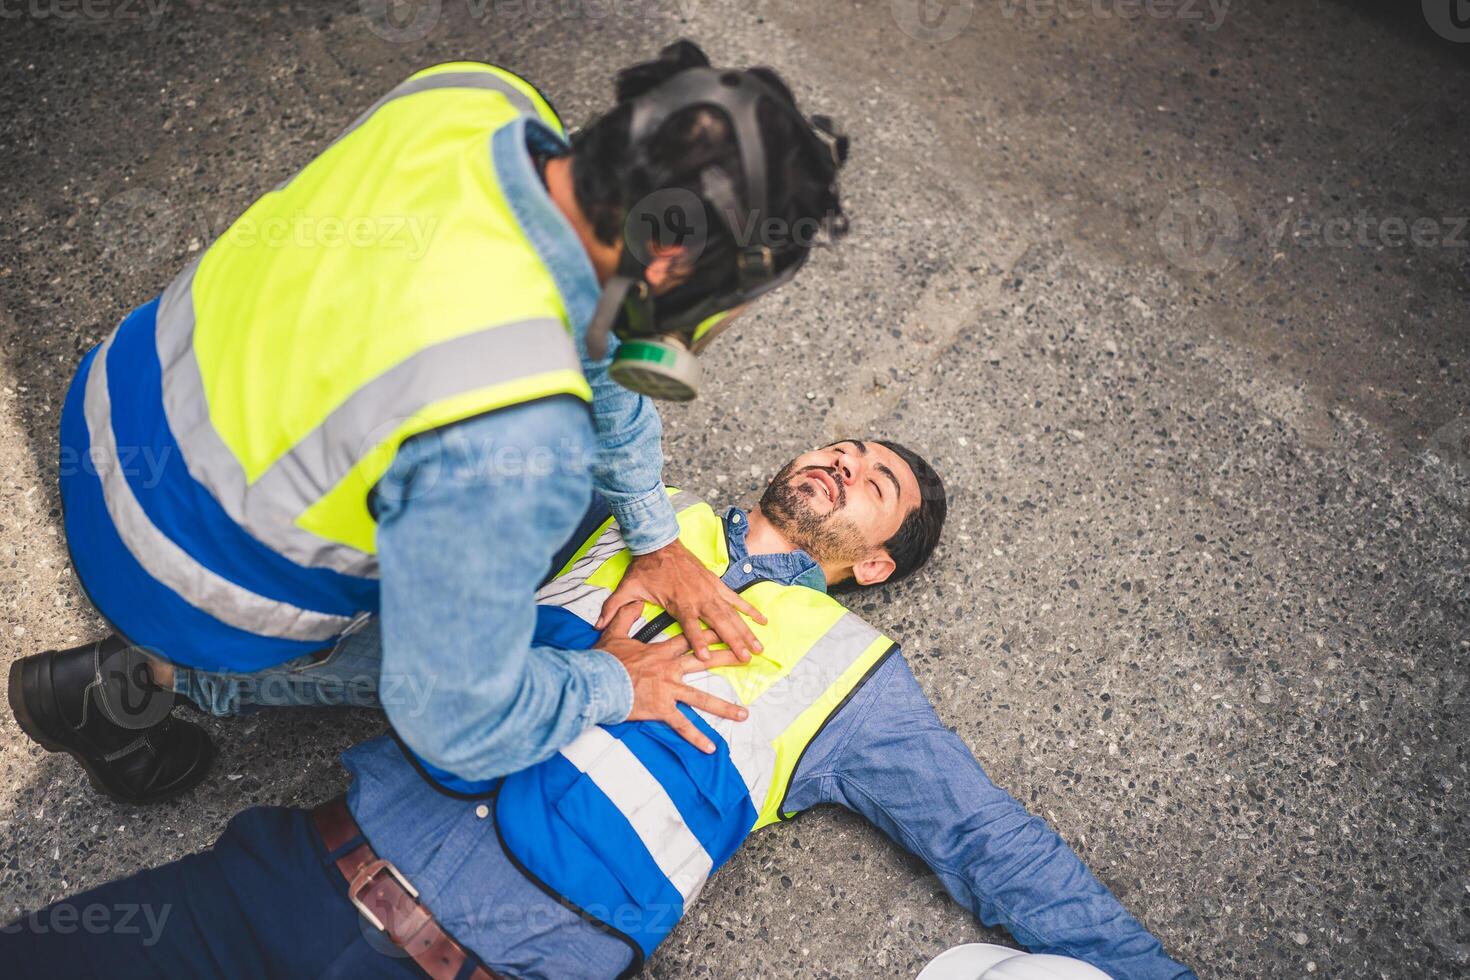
(830,538)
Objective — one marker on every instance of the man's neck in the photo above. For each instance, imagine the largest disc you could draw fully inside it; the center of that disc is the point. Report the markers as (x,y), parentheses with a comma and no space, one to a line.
(763,538)
(558,176)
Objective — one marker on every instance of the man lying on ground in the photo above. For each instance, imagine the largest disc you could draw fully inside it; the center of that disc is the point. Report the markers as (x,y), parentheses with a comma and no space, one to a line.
(581,864)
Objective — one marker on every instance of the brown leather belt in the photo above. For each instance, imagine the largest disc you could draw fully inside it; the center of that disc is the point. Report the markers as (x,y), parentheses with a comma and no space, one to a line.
(389,902)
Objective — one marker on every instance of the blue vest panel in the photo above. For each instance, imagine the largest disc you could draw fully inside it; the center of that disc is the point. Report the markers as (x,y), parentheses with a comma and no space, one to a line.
(564,831)
(145,610)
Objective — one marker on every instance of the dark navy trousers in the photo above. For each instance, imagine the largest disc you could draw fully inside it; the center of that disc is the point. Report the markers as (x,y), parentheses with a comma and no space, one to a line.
(265,901)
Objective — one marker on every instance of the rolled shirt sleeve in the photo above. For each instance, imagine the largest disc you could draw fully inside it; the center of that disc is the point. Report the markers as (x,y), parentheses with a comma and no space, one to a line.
(468,522)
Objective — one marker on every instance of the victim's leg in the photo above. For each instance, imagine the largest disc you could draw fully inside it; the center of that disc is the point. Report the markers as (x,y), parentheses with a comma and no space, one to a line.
(263,902)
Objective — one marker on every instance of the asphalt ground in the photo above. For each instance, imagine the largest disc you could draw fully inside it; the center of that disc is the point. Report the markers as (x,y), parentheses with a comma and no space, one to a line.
(1173,294)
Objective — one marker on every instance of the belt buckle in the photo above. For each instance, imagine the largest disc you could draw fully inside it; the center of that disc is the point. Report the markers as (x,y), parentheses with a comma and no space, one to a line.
(364,878)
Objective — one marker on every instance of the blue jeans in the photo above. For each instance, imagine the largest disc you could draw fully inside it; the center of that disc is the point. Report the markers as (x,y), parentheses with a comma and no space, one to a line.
(348,675)
(264,901)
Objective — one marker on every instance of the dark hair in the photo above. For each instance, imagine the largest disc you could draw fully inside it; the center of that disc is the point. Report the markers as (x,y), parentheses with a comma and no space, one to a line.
(918,535)
(610,176)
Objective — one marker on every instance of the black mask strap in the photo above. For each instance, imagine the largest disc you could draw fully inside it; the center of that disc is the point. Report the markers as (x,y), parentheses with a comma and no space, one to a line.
(627,294)
(609,308)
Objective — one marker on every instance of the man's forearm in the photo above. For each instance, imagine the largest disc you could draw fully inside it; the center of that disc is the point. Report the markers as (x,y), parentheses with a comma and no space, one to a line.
(628,468)
(558,695)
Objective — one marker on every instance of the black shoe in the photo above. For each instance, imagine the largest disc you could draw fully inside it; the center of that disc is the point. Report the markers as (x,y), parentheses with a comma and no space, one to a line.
(96,704)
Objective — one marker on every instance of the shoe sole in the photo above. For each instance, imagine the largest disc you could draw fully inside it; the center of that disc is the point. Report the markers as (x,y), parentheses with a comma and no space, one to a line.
(20,707)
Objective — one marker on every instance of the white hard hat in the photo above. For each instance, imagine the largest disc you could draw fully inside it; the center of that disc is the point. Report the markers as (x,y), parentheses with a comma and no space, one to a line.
(985,961)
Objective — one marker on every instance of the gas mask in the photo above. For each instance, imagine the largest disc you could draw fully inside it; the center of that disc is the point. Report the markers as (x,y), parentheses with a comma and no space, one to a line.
(662,336)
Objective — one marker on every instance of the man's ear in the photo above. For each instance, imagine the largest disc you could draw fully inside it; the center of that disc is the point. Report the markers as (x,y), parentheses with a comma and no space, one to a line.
(872,570)
(665,265)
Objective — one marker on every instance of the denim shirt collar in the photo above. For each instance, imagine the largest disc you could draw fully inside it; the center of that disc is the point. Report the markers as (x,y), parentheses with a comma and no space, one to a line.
(544,225)
(790,568)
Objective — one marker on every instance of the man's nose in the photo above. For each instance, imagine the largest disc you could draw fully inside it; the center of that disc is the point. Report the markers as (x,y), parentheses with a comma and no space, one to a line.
(848,471)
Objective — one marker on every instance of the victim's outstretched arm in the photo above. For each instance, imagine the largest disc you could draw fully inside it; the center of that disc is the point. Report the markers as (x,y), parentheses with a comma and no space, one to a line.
(893,761)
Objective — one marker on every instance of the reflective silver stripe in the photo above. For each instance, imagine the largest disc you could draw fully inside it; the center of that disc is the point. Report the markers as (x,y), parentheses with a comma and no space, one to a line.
(449,79)
(783,702)
(752,742)
(683,500)
(210,462)
(268,508)
(163,559)
(642,800)
(571,590)
(495,355)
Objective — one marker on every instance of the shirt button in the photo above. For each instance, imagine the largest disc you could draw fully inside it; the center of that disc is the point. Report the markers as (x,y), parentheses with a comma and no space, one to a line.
(734,518)
(482,811)
(747,568)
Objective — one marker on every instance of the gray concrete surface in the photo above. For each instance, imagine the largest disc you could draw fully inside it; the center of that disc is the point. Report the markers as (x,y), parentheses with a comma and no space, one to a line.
(1203,602)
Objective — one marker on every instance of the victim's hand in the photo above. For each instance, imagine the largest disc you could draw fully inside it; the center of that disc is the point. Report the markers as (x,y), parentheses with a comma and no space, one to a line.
(673,578)
(657,671)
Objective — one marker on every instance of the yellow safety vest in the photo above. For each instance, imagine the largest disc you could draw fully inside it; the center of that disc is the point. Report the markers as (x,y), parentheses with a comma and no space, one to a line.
(385,290)
(630,817)
(300,366)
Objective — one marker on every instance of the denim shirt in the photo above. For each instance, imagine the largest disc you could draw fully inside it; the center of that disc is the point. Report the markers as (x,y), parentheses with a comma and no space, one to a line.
(469,516)
(884,754)
(627,468)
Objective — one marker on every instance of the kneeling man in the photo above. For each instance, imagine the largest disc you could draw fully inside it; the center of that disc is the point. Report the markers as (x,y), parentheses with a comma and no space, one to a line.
(581,865)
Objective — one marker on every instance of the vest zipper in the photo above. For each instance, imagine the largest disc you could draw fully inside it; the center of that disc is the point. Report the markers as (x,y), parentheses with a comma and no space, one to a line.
(664,620)
(654,627)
